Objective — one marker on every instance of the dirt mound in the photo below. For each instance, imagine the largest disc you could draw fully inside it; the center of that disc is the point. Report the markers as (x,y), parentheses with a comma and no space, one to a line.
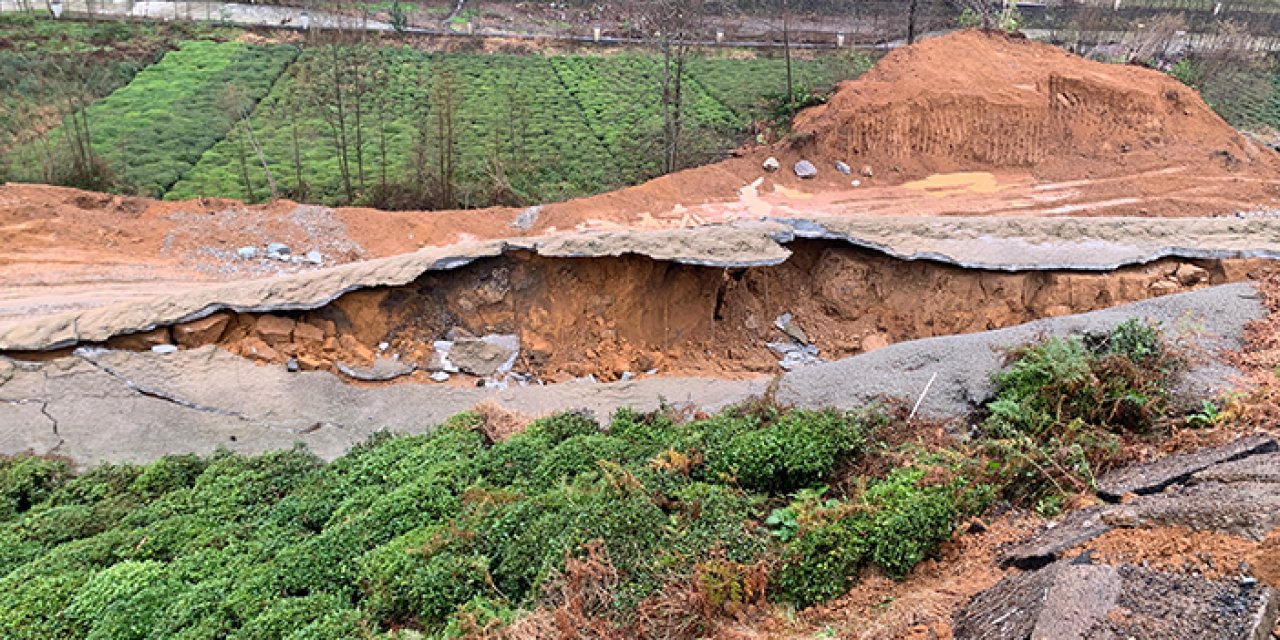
(980,101)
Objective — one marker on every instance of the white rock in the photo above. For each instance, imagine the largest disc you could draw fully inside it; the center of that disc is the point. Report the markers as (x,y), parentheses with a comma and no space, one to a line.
(843,168)
(805,169)
(247,253)
(314,257)
(771,164)
(164,348)
(440,376)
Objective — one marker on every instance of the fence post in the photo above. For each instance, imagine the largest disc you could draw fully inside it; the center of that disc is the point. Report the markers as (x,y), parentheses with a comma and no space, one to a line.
(839,40)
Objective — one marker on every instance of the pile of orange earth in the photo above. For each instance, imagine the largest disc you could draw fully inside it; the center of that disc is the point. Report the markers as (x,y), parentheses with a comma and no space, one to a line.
(975,101)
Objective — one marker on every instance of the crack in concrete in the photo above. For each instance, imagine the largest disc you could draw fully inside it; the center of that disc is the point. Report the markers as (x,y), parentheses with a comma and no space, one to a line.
(44,411)
(155,394)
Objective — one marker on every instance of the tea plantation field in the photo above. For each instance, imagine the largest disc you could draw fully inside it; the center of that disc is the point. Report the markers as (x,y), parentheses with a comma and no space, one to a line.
(153,130)
(41,60)
(525,128)
(556,127)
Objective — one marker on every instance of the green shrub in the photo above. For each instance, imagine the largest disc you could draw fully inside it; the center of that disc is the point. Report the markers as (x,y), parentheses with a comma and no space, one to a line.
(800,449)
(528,538)
(709,520)
(284,616)
(25,481)
(412,578)
(822,562)
(578,454)
(168,474)
(560,427)
(122,602)
(338,624)
(1059,409)
(909,520)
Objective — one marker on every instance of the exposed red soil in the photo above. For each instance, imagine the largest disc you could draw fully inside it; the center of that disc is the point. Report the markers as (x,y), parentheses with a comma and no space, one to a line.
(1211,554)
(609,316)
(974,101)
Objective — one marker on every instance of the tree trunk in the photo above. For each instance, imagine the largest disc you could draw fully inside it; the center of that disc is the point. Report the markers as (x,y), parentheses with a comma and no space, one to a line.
(911,22)
(786,53)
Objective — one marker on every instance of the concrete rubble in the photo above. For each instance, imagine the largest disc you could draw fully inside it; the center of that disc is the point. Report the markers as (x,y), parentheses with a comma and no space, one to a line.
(1232,489)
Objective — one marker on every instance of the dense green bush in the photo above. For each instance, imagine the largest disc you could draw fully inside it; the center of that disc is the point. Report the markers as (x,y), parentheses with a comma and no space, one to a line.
(434,532)
(28,480)
(1061,407)
(822,562)
(799,449)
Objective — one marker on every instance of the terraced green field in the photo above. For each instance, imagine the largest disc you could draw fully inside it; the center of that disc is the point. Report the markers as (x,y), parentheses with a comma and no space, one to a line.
(527,128)
(44,64)
(155,129)
(553,127)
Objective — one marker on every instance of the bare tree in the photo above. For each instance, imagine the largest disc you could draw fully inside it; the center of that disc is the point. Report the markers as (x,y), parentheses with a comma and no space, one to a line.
(238,108)
(69,156)
(327,76)
(672,26)
(445,97)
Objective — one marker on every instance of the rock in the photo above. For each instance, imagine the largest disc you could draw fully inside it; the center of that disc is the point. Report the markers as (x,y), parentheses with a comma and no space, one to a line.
(206,330)
(874,341)
(256,349)
(485,356)
(856,183)
(274,330)
(1075,601)
(527,218)
(1076,528)
(1189,274)
(247,253)
(1257,468)
(314,257)
(1163,287)
(1244,509)
(805,169)
(164,349)
(304,333)
(292,365)
(771,164)
(440,376)
(787,325)
(866,171)
(278,251)
(439,360)
(142,341)
(795,355)
(844,168)
(381,370)
(1154,476)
